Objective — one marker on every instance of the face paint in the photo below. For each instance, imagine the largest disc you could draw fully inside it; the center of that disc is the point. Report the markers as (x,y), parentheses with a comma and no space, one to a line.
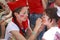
(21,15)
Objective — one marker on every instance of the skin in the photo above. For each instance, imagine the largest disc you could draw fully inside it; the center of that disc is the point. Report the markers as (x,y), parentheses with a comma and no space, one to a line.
(57,2)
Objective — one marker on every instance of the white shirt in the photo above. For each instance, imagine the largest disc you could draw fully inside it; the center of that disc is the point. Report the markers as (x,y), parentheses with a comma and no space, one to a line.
(11,26)
(50,34)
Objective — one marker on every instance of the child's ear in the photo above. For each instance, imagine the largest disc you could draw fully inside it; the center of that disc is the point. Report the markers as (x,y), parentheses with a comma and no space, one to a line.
(52,21)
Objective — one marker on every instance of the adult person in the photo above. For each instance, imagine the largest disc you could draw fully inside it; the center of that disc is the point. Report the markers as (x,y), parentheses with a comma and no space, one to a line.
(19,25)
(4,12)
(13,28)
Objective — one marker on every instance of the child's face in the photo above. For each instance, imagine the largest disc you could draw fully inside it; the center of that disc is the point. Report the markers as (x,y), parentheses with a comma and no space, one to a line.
(45,19)
(23,15)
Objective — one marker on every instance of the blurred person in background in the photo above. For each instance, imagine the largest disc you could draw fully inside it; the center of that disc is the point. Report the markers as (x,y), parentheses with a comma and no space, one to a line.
(2,21)
(5,17)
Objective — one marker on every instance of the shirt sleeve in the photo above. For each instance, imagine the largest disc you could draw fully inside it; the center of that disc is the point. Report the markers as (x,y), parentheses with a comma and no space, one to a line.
(45,36)
(11,27)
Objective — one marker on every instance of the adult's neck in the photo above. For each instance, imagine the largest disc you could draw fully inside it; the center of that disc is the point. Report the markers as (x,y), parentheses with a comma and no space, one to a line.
(19,21)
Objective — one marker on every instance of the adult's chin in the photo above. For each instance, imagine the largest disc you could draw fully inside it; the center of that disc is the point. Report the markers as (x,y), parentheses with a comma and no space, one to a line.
(24,19)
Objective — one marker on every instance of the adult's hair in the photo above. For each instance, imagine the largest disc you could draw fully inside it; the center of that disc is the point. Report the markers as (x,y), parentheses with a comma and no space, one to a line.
(17,10)
(52,13)
(1,7)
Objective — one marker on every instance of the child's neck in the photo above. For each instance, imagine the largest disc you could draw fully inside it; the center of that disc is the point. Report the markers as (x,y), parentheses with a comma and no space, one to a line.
(53,25)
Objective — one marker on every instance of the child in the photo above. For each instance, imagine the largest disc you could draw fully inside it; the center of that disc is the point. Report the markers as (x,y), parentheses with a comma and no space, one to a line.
(50,19)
